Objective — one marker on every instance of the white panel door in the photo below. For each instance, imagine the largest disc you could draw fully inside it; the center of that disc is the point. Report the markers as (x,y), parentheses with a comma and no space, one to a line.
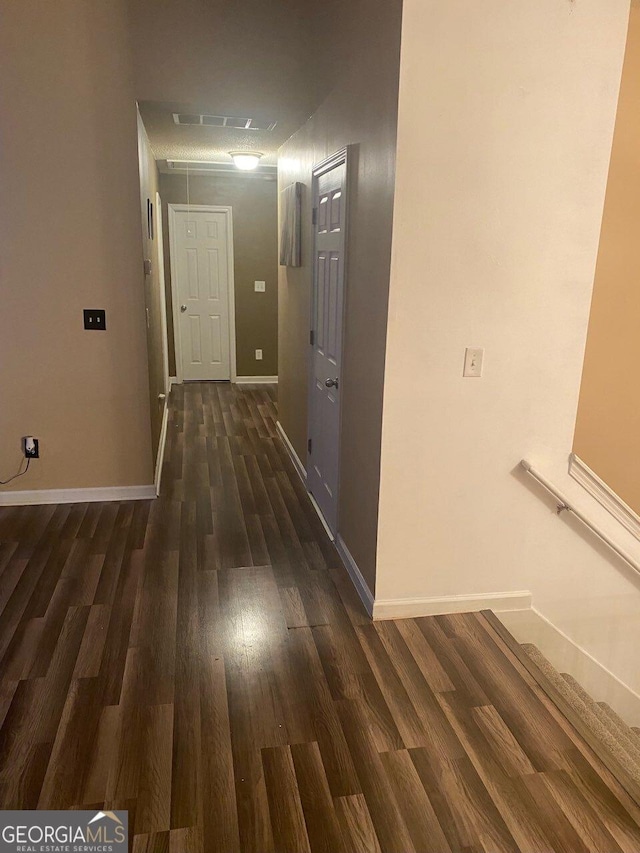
(201,289)
(326,340)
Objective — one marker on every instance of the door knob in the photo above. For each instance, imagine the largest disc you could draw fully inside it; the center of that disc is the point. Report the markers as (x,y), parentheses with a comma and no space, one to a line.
(183,308)
(331,383)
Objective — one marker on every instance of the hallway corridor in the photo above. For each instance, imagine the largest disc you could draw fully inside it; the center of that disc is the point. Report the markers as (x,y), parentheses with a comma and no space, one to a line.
(202,660)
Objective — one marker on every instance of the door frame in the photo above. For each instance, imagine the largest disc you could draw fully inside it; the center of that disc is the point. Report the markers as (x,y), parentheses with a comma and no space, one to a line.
(164,335)
(338,158)
(163,296)
(202,208)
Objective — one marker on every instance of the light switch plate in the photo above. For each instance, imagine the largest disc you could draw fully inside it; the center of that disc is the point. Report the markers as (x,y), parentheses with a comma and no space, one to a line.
(258,355)
(260,286)
(95,319)
(473,357)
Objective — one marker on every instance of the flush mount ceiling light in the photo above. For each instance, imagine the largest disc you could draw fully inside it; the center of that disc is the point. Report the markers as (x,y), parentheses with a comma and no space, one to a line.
(245,160)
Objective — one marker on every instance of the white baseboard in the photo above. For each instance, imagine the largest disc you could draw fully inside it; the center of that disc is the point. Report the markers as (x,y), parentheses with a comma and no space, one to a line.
(37,497)
(605,496)
(323,521)
(362,587)
(256,380)
(410,608)
(302,471)
(161,446)
(240,380)
(567,656)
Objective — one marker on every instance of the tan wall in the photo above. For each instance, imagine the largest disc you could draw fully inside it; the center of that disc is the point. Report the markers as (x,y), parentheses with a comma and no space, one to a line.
(154,303)
(234,56)
(254,214)
(607,435)
(70,239)
(362,111)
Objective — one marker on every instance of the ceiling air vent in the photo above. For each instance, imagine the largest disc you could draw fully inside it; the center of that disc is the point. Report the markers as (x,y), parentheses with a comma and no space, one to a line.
(233,122)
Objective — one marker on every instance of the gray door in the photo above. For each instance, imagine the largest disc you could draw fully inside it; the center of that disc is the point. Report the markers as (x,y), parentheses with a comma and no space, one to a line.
(326,336)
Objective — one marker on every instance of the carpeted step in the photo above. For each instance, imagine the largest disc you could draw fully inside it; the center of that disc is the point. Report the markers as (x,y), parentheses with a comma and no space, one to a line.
(597,720)
(623,739)
(629,731)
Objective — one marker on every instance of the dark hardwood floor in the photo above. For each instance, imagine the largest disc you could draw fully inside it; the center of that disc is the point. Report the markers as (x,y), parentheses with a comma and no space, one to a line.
(202,661)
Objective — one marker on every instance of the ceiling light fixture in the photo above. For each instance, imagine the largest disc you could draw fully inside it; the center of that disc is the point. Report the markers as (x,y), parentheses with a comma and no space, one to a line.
(245,160)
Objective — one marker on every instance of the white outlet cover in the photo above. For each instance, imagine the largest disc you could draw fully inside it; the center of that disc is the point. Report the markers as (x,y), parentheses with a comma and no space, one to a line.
(258,355)
(473,357)
(260,286)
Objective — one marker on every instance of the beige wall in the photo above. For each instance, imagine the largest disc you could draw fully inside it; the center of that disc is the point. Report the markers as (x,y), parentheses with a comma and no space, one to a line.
(607,433)
(254,205)
(362,111)
(70,239)
(504,136)
(257,58)
(186,49)
(154,301)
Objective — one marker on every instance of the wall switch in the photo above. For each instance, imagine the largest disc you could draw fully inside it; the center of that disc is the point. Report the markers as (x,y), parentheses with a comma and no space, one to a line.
(258,355)
(260,286)
(95,318)
(31,447)
(473,357)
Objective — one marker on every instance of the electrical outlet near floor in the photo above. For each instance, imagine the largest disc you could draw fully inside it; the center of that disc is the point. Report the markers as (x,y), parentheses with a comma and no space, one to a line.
(258,355)
(31,447)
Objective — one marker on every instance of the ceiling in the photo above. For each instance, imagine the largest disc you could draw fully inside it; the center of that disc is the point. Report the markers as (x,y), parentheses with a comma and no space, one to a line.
(172,141)
(256,58)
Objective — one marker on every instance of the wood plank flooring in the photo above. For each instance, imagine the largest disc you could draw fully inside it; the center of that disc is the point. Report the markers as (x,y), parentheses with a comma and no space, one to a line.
(202,661)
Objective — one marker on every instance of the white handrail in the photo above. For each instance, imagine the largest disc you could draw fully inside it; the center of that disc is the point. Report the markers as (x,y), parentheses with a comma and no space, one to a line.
(565,505)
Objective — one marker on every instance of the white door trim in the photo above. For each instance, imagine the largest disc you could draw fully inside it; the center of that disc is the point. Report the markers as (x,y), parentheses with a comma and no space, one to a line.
(326,165)
(163,297)
(329,163)
(202,208)
(161,446)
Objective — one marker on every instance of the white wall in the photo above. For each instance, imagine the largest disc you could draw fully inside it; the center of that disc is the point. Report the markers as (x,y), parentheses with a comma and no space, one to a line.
(506,118)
